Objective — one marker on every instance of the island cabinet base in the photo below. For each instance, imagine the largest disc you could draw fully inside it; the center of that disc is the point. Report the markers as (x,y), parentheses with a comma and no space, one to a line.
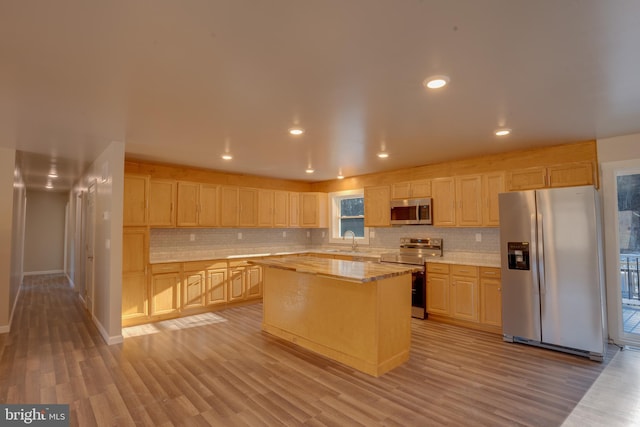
(364,325)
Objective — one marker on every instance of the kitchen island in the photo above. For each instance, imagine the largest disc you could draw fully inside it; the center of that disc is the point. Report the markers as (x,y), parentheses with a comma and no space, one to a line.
(357,313)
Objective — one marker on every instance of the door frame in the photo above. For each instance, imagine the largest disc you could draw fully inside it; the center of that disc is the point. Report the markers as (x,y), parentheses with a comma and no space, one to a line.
(609,195)
(90,231)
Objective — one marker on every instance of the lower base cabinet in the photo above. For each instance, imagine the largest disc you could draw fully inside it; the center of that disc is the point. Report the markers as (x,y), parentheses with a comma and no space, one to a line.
(465,295)
(177,289)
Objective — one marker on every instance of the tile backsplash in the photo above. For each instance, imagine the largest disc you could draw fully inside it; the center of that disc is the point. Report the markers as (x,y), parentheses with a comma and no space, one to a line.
(200,242)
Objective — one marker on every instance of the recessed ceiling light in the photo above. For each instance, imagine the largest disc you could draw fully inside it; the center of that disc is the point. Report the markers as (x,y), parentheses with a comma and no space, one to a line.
(309,170)
(52,174)
(340,176)
(503,132)
(49,185)
(435,82)
(296,131)
(226,156)
(383,154)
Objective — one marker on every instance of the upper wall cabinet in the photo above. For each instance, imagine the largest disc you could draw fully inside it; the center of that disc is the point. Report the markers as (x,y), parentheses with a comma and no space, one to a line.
(228,206)
(377,209)
(248,204)
(294,209)
(469,200)
(492,185)
(444,201)
(313,210)
(135,200)
(162,201)
(197,205)
(411,189)
(280,209)
(565,175)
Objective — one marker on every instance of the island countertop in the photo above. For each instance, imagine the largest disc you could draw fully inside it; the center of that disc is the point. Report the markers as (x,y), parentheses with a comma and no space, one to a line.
(359,271)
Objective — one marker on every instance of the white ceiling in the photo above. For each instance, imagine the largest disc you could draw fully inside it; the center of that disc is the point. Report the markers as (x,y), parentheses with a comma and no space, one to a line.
(183,81)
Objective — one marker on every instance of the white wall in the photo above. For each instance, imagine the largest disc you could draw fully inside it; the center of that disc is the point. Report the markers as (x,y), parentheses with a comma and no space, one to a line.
(44,235)
(108,173)
(614,154)
(11,235)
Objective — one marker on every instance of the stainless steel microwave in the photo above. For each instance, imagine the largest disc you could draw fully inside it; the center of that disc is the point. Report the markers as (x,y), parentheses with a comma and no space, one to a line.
(411,211)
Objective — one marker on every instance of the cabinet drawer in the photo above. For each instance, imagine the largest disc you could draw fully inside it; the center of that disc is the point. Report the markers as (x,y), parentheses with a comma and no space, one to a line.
(490,272)
(434,267)
(464,270)
(172,267)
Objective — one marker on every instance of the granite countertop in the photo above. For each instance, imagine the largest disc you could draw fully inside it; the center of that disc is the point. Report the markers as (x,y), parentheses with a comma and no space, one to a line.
(365,254)
(360,271)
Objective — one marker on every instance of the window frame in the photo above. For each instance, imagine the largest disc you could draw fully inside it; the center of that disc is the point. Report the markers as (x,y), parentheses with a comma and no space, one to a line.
(334,217)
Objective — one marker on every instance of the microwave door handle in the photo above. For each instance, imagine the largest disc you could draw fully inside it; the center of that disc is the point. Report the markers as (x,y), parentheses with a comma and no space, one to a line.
(418,212)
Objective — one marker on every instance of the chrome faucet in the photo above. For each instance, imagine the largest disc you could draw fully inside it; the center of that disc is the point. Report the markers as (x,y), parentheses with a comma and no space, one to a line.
(354,244)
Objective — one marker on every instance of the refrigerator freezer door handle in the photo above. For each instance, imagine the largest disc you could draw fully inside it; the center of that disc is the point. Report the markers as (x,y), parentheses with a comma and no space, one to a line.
(540,247)
(533,255)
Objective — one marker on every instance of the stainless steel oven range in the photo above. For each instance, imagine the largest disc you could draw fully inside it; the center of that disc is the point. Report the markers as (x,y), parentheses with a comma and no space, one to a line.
(416,251)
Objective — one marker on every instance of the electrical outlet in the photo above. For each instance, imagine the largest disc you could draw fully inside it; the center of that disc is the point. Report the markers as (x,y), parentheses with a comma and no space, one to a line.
(192,237)
(478,237)
(323,234)
(308,234)
(239,236)
(284,234)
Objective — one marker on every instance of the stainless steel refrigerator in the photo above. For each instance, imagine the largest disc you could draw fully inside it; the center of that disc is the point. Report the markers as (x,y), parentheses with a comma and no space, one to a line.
(552,274)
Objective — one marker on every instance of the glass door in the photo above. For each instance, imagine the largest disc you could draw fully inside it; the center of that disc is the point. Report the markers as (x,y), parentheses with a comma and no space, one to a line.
(628,198)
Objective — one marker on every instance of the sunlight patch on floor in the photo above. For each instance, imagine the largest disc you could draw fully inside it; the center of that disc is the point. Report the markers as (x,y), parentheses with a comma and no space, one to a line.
(173,324)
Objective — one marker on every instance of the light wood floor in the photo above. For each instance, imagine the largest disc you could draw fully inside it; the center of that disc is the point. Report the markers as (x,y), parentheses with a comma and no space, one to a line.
(220,369)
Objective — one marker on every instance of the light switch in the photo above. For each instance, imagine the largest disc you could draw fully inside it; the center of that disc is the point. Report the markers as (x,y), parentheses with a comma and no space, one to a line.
(239,236)
(478,237)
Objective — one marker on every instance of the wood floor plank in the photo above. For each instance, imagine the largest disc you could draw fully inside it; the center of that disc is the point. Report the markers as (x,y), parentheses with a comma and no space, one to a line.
(220,369)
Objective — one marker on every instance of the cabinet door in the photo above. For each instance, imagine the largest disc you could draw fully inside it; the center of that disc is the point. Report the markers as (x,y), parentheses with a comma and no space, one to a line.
(492,185)
(490,296)
(421,188)
(526,179)
(187,204)
(438,293)
(571,174)
(401,190)
(193,289)
(217,284)
(164,294)
(208,205)
(464,298)
(254,281)
(247,202)
(162,199)
(265,208)
(135,295)
(294,209)
(444,212)
(377,207)
(280,209)
(236,284)
(309,210)
(229,206)
(135,200)
(469,200)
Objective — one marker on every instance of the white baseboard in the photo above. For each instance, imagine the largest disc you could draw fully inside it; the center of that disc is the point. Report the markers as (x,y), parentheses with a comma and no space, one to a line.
(37,273)
(105,336)
(7,328)
(4,329)
(73,285)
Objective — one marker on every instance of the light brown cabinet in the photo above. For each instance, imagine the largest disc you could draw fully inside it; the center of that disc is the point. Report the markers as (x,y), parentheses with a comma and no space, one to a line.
(217,283)
(464,292)
(438,289)
(280,208)
(565,175)
(377,207)
(313,210)
(229,207)
(197,205)
(468,196)
(294,209)
(492,185)
(193,285)
(134,201)
(165,286)
(248,207)
(411,189)
(266,205)
(135,296)
(465,295)
(444,201)
(162,201)
(490,296)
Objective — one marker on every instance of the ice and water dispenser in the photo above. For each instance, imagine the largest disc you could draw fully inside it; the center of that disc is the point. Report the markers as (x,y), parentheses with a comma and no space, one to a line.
(518,255)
